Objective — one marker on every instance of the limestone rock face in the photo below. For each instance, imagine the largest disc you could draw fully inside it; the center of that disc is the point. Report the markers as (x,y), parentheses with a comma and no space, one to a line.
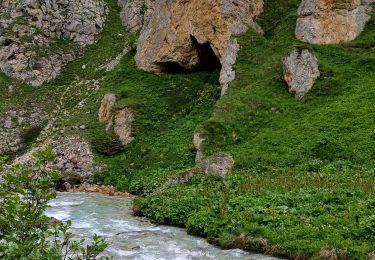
(107,106)
(134,13)
(220,164)
(16,125)
(28,49)
(119,120)
(74,159)
(195,34)
(332,21)
(122,126)
(301,69)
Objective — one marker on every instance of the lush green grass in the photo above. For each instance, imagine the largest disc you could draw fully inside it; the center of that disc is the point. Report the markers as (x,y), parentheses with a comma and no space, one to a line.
(304,175)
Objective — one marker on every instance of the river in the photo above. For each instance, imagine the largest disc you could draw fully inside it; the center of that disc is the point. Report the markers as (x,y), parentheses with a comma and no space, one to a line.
(133,237)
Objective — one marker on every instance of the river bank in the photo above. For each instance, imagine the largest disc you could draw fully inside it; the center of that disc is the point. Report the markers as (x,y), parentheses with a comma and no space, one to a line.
(133,237)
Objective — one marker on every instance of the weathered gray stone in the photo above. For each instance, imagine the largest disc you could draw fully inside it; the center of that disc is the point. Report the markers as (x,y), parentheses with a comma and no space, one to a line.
(301,69)
(198,141)
(220,164)
(74,159)
(132,13)
(14,124)
(122,125)
(44,21)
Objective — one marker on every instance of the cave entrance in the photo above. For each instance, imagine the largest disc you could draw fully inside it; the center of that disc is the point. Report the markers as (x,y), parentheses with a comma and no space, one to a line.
(207,60)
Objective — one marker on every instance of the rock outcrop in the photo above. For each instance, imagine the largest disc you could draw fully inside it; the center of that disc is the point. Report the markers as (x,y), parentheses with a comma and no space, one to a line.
(179,35)
(18,127)
(122,125)
(107,107)
(119,120)
(332,21)
(29,29)
(74,159)
(198,141)
(301,70)
(219,164)
(133,14)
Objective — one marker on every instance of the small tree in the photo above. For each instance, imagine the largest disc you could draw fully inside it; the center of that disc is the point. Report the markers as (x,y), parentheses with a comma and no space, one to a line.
(25,231)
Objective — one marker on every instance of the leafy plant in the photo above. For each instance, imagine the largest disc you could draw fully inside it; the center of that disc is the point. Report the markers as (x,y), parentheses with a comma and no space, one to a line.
(25,231)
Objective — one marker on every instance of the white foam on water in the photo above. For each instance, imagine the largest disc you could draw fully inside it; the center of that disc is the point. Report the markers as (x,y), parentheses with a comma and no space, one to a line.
(119,252)
(111,218)
(129,226)
(56,203)
(82,225)
(60,215)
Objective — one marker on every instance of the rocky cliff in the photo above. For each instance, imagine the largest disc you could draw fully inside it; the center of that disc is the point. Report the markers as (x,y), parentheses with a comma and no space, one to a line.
(30,31)
(178,35)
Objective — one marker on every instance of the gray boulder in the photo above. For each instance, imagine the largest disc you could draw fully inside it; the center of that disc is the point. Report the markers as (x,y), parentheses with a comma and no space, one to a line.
(301,70)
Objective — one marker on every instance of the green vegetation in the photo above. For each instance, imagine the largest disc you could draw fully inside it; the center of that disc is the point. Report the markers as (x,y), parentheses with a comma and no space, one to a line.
(304,177)
(25,232)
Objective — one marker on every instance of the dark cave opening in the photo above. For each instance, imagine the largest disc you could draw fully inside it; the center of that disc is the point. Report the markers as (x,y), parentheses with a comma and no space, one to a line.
(207,60)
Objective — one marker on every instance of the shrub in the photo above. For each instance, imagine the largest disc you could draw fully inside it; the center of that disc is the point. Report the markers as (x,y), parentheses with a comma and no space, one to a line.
(106,143)
(25,231)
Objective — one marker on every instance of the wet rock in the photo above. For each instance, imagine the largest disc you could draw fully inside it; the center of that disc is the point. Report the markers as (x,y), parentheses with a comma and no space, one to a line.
(66,186)
(301,70)
(109,190)
(137,210)
(54,221)
(332,21)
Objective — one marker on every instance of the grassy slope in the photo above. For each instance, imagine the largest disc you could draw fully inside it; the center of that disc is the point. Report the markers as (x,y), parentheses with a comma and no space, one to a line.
(304,173)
